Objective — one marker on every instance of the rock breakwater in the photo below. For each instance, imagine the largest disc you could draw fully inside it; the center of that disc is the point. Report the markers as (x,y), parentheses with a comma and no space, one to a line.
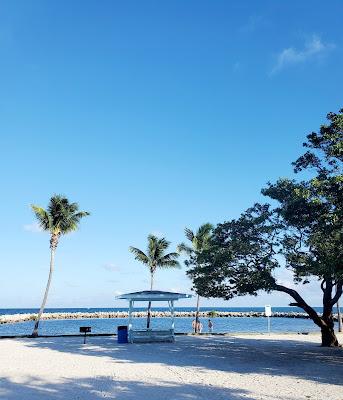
(14,318)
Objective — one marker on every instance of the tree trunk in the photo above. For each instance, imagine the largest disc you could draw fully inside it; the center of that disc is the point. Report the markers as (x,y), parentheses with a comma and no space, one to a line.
(325,323)
(339,315)
(52,259)
(149,305)
(197,315)
(329,338)
(339,318)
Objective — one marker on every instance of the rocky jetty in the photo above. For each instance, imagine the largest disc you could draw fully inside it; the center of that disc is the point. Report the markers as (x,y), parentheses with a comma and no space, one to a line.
(7,319)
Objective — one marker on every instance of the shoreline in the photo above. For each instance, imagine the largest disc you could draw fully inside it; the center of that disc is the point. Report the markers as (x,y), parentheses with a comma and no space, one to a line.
(204,334)
(17,318)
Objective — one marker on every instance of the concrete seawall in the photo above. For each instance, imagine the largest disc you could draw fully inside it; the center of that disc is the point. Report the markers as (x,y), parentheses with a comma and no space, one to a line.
(8,319)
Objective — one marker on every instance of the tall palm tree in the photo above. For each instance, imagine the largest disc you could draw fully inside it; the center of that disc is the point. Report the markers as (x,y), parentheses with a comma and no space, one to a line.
(60,218)
(200,241)
(154,258)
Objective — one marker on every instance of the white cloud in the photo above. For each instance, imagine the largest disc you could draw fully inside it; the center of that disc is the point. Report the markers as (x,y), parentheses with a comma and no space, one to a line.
(111,267)
(34,228)
(292,56)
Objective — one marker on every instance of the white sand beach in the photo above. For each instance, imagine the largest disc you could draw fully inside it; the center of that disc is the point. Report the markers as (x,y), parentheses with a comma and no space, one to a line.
(285,367)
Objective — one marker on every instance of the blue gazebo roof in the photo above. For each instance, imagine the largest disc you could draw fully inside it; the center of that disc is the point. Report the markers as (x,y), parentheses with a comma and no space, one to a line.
(153,295)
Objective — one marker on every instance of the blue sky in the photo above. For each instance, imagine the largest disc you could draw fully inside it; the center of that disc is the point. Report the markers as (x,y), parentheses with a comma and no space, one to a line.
(153,116)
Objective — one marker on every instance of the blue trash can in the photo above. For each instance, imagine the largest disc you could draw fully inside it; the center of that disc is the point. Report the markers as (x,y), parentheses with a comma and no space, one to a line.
(122,334)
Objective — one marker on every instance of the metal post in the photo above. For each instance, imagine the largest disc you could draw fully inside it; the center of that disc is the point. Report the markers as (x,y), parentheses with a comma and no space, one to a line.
(169,305)
(268,324)
(130,320)
(84,339)
(172,314)
(268,314)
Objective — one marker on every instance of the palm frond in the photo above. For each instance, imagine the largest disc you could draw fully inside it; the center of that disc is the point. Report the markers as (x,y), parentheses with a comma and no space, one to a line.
(204,230)
(170,264)
(71,223)
(42,217)
(169,260)
(163,243)
(65,216)
(81,214)
(189,234)
(203,236)
(156,246)
(156,257)
(183,248)
(140,255)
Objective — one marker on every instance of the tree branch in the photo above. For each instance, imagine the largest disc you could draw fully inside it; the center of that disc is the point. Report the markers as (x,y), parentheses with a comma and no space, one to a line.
(301,303)
(339,291)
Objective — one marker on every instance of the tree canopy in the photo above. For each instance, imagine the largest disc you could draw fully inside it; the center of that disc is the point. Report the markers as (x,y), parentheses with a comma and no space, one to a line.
(60,217)
(303,233)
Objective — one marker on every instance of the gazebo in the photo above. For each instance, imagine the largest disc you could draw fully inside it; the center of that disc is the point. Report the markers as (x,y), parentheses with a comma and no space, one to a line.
(152,335)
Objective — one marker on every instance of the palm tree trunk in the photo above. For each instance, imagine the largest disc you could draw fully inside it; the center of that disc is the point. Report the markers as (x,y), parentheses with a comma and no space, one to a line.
(197,315)
(52,260)
(149,305)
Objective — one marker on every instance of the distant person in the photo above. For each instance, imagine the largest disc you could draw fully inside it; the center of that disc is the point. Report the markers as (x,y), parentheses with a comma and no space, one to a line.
(210,326)
(199,327)
(194,326)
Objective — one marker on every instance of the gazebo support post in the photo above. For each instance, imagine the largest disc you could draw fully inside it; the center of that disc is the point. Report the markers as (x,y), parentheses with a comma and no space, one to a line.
(172,314)
(130,319)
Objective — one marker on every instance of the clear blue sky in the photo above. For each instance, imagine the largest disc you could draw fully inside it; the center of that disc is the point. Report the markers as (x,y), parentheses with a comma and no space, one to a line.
(153,116)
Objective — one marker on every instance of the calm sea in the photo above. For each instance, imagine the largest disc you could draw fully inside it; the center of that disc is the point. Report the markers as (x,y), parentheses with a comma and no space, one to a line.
(109,325)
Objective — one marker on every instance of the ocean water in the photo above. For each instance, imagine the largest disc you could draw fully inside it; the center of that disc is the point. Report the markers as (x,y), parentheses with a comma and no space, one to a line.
(70,310)
(182,325)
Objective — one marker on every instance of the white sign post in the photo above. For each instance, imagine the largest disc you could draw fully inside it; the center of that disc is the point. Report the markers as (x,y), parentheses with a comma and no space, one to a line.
(268,314)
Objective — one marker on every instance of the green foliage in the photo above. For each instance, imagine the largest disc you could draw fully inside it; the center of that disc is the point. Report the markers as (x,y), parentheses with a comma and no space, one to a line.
(304,232)
(312,241)
(155,257)
(60,217)
(241,257)
(326,148)
(212,313)
(200,241)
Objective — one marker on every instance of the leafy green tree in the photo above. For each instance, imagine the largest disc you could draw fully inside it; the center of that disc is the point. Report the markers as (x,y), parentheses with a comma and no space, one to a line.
(304,232)
(60,217)
(155,258)
(200,241)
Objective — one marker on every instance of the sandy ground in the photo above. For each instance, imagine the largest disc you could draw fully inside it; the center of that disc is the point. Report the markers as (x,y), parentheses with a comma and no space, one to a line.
(286,367)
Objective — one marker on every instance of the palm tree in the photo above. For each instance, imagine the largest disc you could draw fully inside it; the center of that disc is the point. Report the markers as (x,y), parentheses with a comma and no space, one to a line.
(154,258)
(60,218)
(200,241)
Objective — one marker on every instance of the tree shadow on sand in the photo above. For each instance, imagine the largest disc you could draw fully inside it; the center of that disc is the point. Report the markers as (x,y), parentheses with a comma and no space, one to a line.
(109,388)
(305,360)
